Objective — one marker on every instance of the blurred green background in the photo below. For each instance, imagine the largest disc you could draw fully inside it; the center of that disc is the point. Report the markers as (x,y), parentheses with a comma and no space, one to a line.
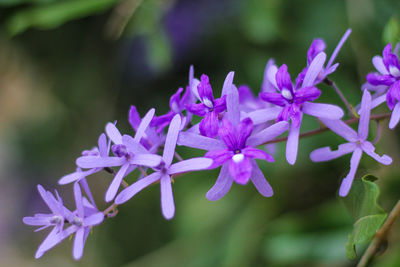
(67,67)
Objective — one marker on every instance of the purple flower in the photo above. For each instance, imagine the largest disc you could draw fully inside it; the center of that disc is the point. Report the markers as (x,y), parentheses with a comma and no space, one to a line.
(209,108)
(81,222)
(102,151)
(164,171)
(56,218)
(356,145)
(235,151)
(129,154)
(294,101)
(386,83)
(318,46)
(178,105)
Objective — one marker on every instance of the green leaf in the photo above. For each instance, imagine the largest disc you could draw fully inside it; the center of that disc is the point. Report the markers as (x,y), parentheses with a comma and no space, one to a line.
(391,32)
(54,14)
(368,215)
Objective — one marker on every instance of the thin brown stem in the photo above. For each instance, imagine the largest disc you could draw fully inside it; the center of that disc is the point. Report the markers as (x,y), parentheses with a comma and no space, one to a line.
(342,97)
(376,117)
(380,237)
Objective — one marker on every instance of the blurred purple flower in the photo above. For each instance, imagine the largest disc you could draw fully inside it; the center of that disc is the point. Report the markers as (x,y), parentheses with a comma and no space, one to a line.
(164,171)
(356,145)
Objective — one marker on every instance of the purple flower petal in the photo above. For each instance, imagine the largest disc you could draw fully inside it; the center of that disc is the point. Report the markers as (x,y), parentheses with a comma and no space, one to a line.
(78,199)
(232,106)
(209,125)
(204,89)
(314,69)
(263,115)
(193,164)
(268,133)
(116,182)
(338,47)
(132,145)
(292,144)
(319,110)
(72,177)
(174,101)
(317,46)
(79,243)
(89,162)
(347,182)
(144,124)
(255,153)
(240,169)
(325,153)
(378,79)
(365,112)
(52,239)
(134,118)
(369,149)
(94,219)
(274,98)
(194,140)
(219,157)
(136,187)
(393,95)
(377,61)
(228,135)
(197,109)
(113,133)
(228,83)
(259,181)
(148,160)
(220,104)
(283,79)
(167,198)
(389,59)
(394,119)
(377,101)
(244,130)
(342,129)
(269,82)
(222,185)
(307,94)
(103,146)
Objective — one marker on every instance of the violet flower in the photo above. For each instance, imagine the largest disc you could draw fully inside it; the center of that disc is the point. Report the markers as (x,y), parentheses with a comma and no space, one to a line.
(294,101)
(82,220)
(56,218)
(317,46)
(236,151)
(128,152)
(209,108)
(388,77)
(357,144)
(164,171)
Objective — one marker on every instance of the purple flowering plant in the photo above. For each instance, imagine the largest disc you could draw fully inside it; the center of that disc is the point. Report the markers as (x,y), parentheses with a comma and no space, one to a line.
(236,131)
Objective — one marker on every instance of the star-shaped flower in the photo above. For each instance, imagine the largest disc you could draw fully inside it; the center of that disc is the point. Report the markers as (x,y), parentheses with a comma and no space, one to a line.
(357,144)
(164,171)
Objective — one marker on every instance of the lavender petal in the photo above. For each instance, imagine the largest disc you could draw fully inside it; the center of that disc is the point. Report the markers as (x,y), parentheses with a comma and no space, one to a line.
(222,185)
(136,187)
(259,181)
(342,129)
(347,182)
(167,198)
(268,133)
(314,69)
(194,140)
(116,182)
(113,133)
(365,112)
(325,153)
(292,144)
(394,119)
(369,149)
(326,111)
(193,164)
(140,132)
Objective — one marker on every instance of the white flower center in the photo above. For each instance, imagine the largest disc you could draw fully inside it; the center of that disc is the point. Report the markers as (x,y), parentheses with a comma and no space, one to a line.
(287,94)
(207,102)
(238,157)
(56,219)
(394,71)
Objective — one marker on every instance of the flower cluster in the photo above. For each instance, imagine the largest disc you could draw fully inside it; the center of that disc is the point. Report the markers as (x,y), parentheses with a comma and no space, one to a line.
(234,130)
